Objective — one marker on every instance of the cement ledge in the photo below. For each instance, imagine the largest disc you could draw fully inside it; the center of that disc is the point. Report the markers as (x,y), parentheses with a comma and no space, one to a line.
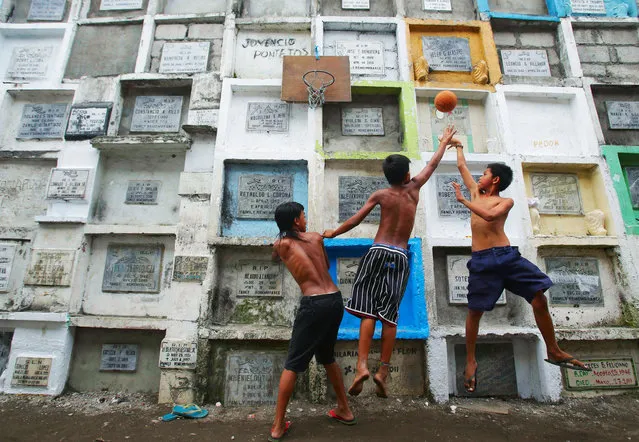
(506,332)
(33,316)
(124,322)
(598,334)
(573,241)
(246,332)
(128,229)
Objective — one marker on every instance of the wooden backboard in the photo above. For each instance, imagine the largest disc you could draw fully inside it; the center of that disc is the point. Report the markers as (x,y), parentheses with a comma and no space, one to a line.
(294,67)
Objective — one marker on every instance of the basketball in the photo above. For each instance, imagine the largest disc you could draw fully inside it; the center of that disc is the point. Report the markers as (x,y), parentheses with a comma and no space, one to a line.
(445,101)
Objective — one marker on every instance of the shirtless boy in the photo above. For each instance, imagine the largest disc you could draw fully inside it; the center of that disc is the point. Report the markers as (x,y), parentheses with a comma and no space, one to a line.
(496,265)
(318,317)
(382,274)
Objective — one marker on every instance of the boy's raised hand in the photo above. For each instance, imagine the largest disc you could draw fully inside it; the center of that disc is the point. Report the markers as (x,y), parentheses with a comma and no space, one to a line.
(458,193)
(447,137)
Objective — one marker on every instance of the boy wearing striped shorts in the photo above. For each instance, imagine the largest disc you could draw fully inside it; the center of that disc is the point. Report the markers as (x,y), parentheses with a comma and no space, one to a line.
(382,274)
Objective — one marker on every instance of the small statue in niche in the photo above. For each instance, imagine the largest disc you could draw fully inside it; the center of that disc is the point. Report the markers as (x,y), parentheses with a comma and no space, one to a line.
(480,72)
(620,10)
(421,68)
(534,215)
(595,223)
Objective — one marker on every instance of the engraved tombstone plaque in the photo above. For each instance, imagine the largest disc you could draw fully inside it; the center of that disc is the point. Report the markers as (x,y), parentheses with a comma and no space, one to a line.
(29,63)
(447,53)
(496,373)
(356,4)
(7,253)
(190,268)
(120,5)
(528,62)
(354,192)
(46,10)
(437,5)
(42,121)
(588,6)
(259,195)
(252,378)
(632,173)
(133,268)
(67,184)
(362,121)
(259,279)
(155,113)
(184,58)
(366,57)
(447,203)
(346,272)
(142,192)
(119,357)
(31,372)
(605,374)
(267,117)
(460,115)
(623,114)
(558,193)
(458,280)
(178,354)
(576,281)
(87,121)
(203,117)
(50,267)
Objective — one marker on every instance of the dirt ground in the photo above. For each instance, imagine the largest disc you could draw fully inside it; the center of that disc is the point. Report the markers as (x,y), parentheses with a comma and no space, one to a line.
(105,417)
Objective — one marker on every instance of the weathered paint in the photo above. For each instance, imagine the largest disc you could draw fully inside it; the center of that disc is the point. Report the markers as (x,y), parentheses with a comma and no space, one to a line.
(617,157)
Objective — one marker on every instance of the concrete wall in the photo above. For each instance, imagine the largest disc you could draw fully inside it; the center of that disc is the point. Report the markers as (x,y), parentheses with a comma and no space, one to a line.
(94,11)
(381,8)
(461,10)
(276,8)
(11,299)
(603,93)
(23,188)
(50,38)
(610,53)
(21,12)
(531,7)
(194,6)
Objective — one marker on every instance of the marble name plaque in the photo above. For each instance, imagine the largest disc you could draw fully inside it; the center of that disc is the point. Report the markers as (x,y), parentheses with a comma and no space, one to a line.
(458,280)
(46,10)
(437,5)
(87,121)
(576,281)
(356,4)
(365,57)
(133,268)
(31,372)
(259,279)
(259,195)
(447,53)
(178,354)
(623,114)
(267,117)
(362,121)
(185,58)
(605,374)
(120,5)
(354,191)
(190,268)
(588,6)
(252,378)
(7,253)
(447,204)
(142,192)
(157,113)
(203,117)
(529,62)
(29,63)
(632,173)
(67,184)
(42,121)
(346,272)
(558,193)
(119,357)
(50,267)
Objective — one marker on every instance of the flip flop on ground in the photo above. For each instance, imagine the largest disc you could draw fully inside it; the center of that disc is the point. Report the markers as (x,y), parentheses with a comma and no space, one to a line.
(340,419)
(278,439)
(568,363)
(190,411)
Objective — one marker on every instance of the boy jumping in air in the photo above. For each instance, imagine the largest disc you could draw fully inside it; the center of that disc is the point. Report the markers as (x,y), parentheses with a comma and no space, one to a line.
(496,265)
(318,317)
(382,274)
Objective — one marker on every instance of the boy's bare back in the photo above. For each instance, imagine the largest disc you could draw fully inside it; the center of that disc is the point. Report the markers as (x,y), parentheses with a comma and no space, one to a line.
(307,261)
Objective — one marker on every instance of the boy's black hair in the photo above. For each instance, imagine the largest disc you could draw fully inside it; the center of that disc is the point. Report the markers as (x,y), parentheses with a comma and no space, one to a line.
(504,173)
(395,168)
(285,215)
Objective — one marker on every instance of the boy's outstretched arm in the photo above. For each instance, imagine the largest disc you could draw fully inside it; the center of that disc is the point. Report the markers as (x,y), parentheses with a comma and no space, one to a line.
(467,177)
(354,220)
(423,176)
(487,214)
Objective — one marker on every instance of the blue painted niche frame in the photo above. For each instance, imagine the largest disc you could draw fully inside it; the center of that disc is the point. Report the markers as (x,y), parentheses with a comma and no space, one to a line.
(413,318)
(562,8)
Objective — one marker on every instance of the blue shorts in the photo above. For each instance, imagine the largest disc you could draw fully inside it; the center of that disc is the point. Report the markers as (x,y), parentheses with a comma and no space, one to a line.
(493,270)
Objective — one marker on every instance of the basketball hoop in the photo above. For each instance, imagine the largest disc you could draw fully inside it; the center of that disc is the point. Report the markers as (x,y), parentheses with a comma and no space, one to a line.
(315,89)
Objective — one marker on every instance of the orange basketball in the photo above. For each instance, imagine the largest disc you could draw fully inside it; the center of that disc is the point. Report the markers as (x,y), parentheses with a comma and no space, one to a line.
(445,101)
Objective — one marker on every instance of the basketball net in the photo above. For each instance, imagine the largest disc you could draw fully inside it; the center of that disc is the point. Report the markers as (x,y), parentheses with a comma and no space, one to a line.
(316,86)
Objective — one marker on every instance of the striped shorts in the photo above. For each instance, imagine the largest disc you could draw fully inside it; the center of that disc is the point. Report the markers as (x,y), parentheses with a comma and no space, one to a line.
(380,283)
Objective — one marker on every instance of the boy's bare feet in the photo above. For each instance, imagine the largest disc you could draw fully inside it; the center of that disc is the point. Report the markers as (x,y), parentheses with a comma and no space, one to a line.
(470,376)
(380,385)
(358,384)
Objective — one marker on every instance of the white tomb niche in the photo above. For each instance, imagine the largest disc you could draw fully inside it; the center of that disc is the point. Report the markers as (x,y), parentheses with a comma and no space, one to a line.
(618,113)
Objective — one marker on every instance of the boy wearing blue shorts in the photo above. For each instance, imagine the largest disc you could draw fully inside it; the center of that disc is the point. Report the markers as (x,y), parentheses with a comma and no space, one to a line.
(495,265)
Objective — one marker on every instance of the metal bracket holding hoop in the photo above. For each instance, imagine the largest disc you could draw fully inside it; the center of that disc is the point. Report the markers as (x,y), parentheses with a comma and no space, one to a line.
(315,92)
